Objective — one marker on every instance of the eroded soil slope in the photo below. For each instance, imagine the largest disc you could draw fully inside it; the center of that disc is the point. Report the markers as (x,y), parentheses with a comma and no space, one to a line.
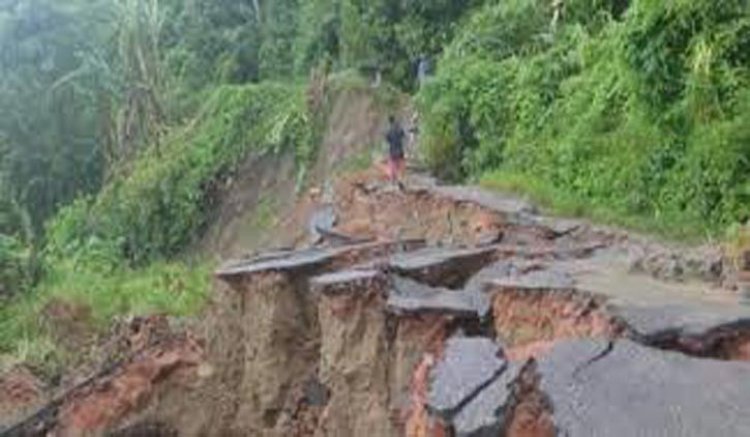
(433,311)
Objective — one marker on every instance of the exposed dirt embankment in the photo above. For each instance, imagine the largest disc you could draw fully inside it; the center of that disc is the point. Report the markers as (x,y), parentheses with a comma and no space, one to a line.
(354,356)
(531,321)
(260,206)
(384,336)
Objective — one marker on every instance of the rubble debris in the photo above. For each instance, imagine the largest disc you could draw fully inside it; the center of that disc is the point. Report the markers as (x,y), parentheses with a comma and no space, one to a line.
(102,401)
(102,404)
(629,389)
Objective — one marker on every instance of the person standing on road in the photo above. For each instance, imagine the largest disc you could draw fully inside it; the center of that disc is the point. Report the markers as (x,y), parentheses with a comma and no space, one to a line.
(395,138)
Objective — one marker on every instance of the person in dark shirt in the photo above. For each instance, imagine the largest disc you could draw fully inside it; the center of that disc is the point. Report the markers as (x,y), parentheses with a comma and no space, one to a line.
(395,138)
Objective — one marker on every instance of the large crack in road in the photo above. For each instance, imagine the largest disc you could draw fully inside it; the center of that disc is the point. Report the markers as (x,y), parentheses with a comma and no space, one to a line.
(381,336)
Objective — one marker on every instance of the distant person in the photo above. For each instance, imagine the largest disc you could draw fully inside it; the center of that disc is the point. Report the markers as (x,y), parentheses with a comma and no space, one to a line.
(423,69)
(558,8)
(395,138)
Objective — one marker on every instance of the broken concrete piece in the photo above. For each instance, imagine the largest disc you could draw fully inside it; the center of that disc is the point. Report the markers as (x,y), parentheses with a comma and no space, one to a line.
(484,416)
(441,267)
(469,364)
(411,297)
(634,390)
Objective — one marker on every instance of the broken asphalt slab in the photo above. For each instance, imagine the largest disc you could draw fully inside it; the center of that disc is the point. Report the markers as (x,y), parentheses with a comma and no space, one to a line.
(536,279)
(484,416)
(633,390)
(468,366)
(440,266)
(514,275)
(521,274)
(653,320)
(411,297)
(348,281)
(315,260)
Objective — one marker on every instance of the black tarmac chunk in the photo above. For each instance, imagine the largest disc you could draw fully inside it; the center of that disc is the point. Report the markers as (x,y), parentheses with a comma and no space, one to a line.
(627,389)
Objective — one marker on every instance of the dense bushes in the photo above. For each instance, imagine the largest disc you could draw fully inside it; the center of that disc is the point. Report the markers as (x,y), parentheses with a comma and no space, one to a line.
(108,253)
(160,202)
(387,34)
(642,111)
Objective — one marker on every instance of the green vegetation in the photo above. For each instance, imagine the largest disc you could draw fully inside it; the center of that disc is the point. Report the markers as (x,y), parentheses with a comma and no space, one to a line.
(28,334)
(161,202)
(120,121)
(640,111)
(104,253)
